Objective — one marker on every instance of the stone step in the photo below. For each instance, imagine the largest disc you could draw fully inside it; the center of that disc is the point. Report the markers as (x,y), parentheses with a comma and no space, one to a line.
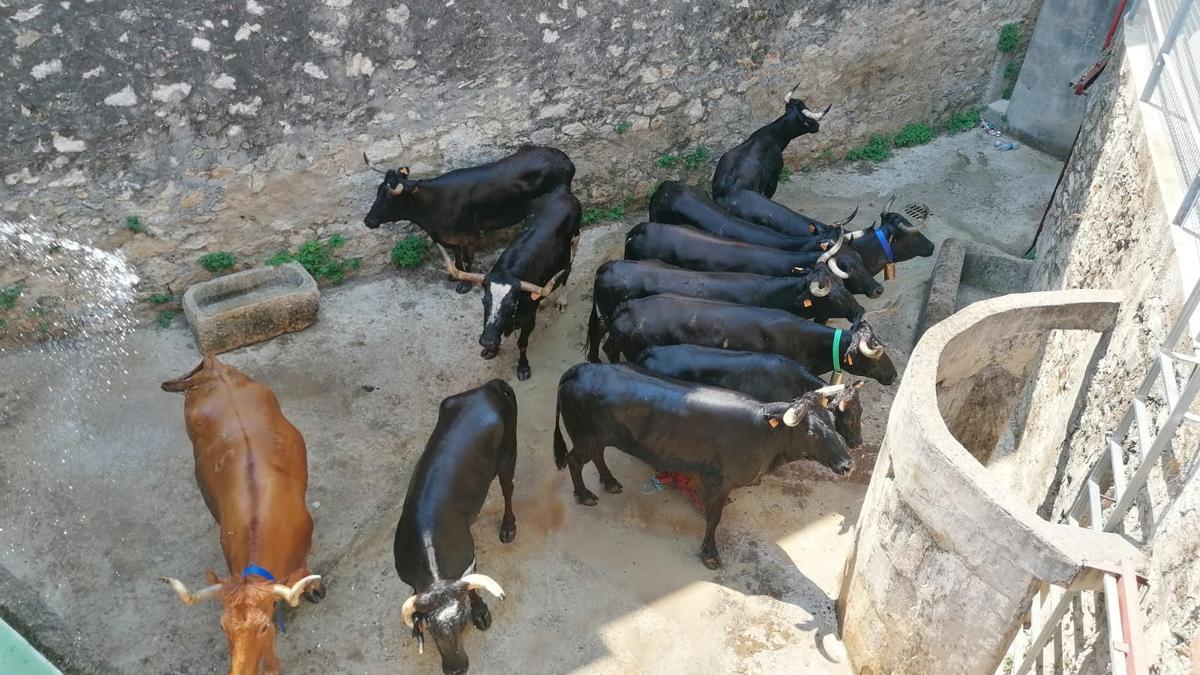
(251,306)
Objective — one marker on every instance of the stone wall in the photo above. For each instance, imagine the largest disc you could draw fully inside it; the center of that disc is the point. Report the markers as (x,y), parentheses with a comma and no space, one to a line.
(239,126)
(1107,229)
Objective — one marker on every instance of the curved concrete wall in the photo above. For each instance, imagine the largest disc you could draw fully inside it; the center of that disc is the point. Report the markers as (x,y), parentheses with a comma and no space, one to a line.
(945,557)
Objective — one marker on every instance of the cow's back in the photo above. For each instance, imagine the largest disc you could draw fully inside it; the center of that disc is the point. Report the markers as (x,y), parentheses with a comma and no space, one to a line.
(251,464)
(765,377)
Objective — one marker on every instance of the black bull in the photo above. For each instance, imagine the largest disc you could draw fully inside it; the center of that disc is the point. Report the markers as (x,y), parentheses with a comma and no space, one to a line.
(475,441)
(457,207)
(535,263)
(694,249)
(817,295)
(680,204)
(766,377)
(674,319)
(726,439)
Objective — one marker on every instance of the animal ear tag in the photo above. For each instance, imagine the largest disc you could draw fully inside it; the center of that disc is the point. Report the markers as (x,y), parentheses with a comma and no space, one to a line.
(824,246)
(535,296)
(824,401)
(773,422)
(889,271)
(807,302)
(849,362)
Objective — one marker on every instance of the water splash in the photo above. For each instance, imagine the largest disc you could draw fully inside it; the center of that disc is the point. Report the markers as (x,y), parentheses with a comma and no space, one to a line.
(66,355)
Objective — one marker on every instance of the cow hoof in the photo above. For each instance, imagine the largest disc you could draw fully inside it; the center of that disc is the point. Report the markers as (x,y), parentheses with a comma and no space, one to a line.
(613,487)
(508,533)
(712,563)
(524,373)
(586,498)
(315,593)
(482,620)
(463,287)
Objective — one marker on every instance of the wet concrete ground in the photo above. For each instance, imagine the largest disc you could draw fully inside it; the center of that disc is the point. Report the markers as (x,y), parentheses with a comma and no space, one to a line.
(98,498)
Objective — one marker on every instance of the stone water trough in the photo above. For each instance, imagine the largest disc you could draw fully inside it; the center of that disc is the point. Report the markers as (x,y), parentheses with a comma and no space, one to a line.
(252,306)
(967,272)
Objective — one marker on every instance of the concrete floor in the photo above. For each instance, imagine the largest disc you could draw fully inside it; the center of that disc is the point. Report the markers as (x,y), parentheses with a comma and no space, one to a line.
(99,500)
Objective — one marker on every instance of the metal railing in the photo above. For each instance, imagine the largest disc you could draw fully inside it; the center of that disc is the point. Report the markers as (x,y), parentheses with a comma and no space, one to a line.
(1172,29)
(1116,480)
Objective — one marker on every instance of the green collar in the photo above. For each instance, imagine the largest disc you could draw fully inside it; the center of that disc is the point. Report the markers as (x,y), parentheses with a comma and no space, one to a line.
(837,345)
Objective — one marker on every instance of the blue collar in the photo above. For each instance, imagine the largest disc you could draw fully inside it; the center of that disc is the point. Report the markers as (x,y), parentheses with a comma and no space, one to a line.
(883,241)
(258,571)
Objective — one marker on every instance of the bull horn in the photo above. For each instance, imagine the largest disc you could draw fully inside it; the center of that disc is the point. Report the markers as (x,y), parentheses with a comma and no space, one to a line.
(818,289)
(476,581)
(851,236)
(373,167)
(833,267)
(788,96)
(472,277)
(291,594)
(397,191)
(188,598)
(847,219)
(408,609)
(832,251)
(865,348)
(791,417)
(920,212)
(887,208)
(816,117)
(830,390)
(542,291)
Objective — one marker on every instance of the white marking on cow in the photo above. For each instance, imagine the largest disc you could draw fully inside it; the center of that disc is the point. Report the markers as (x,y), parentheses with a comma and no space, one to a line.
(499,292)
(430,555)
(448,612)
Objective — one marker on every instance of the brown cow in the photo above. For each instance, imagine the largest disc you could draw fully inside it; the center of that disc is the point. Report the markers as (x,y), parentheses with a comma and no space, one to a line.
(252,469)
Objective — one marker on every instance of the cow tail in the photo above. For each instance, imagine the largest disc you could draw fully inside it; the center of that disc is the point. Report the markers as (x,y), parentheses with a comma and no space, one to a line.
(560,446)
(595,331)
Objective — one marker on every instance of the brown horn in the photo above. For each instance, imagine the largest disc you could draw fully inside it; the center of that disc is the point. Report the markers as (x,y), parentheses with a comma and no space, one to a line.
(373,167)
(542,291)
(472,277)
(887,208)
(188,598)
(291,594)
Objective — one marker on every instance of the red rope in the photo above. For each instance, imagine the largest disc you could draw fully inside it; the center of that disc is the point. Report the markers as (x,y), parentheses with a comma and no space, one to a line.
(682,482)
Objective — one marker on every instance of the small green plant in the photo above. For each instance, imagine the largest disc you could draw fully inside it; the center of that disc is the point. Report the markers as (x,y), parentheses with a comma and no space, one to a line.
(164,318)
(410,251)
(134,224)
(3,323)
(317,257)
(160,298)
(785,174)
(826,155)
(216,262)
(622,127)
(1010,37)
(1012,70)
(9,296)
(913,134)
(875,149)
(615,212)
(280,257)
(668,161)
(696,158)
(963,120)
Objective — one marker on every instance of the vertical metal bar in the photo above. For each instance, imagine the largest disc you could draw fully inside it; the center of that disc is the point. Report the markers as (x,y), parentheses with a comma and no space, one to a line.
(1168,42)
(1189,198)
(1131,620)
(1116,626)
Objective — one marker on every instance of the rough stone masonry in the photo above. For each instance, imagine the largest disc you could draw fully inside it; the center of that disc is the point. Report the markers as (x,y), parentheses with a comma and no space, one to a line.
(239,126)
